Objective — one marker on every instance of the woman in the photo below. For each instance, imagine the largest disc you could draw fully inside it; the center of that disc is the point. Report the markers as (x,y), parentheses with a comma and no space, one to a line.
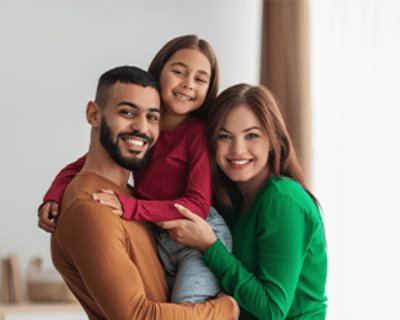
(278,266)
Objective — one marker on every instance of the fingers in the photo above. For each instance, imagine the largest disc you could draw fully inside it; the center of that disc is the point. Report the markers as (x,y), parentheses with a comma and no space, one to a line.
(108,198)
(108,191)
(54,209)
(46,213)
(172,224)
(186,212)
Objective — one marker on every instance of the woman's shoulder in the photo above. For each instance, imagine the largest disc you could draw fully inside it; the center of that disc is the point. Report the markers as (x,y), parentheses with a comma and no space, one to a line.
(285,192)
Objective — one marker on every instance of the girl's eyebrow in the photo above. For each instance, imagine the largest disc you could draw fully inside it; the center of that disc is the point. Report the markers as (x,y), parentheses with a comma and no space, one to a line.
(181,64)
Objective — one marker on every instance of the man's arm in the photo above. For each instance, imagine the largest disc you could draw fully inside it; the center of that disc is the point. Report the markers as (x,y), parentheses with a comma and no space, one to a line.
(112,259)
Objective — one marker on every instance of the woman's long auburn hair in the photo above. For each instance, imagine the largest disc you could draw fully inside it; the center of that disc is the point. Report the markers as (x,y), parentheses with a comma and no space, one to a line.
(282,160)
(190,42)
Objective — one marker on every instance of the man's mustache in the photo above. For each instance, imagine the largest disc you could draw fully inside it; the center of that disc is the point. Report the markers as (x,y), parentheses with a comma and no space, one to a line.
(136,134)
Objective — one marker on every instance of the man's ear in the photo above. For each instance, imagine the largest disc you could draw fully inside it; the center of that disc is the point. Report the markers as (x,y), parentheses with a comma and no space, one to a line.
(93,114)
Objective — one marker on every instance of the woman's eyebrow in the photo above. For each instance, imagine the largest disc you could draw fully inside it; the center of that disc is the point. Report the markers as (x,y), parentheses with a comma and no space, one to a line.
(245,130)
(252,128)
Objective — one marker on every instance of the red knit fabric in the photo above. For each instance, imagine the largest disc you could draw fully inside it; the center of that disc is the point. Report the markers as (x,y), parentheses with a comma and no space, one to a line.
(177,171)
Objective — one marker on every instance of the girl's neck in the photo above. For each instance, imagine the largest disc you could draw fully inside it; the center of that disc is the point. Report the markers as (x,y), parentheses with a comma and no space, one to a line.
(171,122)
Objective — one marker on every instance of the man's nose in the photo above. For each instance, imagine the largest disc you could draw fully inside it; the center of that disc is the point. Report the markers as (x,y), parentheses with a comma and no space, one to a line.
(141,124)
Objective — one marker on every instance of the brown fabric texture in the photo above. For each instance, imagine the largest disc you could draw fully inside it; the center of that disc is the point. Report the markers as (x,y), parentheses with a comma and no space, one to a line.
(111,264)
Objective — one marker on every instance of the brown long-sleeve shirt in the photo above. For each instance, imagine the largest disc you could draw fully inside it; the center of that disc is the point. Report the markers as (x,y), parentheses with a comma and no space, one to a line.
(111,264)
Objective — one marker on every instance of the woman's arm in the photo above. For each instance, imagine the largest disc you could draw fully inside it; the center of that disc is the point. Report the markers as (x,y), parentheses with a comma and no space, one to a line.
(281,243)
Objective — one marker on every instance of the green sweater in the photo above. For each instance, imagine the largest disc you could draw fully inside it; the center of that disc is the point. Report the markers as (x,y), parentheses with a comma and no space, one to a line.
(278,267)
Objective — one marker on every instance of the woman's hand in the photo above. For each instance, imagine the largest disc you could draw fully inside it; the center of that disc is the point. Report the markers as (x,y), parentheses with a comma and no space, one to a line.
(109,198)
(193,231)
(46,213)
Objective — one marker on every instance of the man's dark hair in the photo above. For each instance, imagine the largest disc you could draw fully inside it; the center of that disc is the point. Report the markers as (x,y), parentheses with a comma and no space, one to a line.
(124,74)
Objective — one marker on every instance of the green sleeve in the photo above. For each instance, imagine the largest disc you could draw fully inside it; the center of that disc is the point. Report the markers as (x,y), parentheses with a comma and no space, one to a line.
(282,236)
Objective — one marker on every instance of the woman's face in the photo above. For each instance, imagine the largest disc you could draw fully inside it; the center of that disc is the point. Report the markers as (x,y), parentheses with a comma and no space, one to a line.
(243,146)
(184,81)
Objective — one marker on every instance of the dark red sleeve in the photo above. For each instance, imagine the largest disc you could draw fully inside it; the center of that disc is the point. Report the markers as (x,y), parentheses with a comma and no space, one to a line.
(196,197)
(62,179)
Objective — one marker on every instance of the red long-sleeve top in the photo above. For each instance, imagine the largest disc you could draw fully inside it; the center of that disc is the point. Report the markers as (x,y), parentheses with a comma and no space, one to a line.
(177,171)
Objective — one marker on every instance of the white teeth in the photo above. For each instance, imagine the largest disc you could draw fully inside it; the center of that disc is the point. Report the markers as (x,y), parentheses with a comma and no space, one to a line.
(135,142)
(240,163)
(182,97)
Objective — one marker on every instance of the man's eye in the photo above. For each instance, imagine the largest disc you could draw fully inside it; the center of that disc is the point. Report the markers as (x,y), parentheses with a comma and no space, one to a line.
(152,118)
(126,112)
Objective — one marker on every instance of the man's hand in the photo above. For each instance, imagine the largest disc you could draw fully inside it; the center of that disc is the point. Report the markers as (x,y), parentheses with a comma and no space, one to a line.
(46,213)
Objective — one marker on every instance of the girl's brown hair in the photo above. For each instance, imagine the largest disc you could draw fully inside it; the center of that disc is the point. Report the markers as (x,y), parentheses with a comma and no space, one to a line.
(185,42)
(282,160)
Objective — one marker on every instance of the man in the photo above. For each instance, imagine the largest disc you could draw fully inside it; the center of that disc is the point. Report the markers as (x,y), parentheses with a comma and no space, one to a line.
(111,264)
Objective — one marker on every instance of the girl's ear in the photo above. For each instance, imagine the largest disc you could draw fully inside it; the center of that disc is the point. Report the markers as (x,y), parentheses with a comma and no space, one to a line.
(93,114)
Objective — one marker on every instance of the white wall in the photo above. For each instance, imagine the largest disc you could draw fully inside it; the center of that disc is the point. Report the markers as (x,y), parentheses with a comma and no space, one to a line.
(51,56)
(356,68)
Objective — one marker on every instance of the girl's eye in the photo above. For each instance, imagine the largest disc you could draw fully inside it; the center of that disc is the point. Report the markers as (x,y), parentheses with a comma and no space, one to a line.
(178,72)
(201,80)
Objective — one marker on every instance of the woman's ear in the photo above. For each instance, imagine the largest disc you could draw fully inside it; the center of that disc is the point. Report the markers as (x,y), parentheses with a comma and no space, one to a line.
(93,114)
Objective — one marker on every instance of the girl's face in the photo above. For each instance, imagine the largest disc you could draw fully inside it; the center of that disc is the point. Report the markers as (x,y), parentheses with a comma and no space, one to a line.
(243,147)
(184,82)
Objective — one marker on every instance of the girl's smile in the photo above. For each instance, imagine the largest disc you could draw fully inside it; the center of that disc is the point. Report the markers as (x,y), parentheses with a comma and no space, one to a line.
(184,82)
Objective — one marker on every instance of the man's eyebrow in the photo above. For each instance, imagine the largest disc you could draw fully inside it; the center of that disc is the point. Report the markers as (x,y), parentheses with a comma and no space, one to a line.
(185,66)
(134,106)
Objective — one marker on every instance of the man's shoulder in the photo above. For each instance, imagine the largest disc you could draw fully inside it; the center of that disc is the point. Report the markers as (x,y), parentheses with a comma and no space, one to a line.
(80,190)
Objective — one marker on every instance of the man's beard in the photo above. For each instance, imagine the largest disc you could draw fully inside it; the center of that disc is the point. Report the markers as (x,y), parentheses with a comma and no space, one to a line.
(113,148)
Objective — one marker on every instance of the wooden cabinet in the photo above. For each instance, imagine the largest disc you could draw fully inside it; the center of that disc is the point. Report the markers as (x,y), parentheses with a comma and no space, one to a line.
(42,311)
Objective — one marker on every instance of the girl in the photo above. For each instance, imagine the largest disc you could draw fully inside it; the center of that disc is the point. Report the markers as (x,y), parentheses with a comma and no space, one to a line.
(178,169)
(278,266)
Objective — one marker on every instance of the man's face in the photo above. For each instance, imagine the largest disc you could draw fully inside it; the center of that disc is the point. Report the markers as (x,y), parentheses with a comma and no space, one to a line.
(130,124)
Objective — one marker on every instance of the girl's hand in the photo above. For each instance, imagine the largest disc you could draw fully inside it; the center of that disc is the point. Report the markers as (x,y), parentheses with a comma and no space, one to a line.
(193,231)
(109,198)
(46,213)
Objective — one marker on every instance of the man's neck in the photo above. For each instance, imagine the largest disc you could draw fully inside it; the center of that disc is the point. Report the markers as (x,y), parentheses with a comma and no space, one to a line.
(99,161)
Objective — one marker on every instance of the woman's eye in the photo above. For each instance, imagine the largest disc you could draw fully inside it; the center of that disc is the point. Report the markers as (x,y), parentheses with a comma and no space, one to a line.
(252,136)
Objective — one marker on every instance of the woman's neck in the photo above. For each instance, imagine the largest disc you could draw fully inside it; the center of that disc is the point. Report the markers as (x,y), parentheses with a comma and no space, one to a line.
(250,188)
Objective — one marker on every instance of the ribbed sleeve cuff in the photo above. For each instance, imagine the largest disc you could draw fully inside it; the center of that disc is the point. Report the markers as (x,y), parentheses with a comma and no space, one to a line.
(129,205)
